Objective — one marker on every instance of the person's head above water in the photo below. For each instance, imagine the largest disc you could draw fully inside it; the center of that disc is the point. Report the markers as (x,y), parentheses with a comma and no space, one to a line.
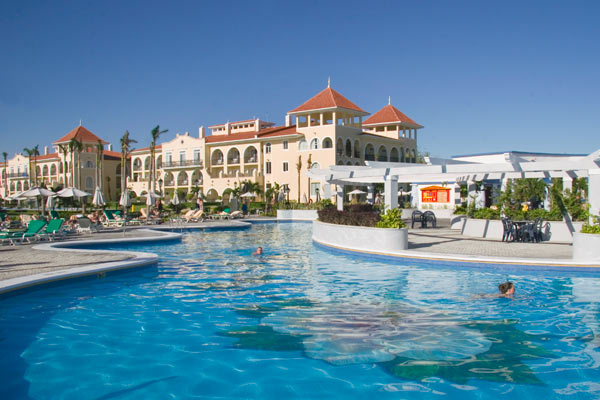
(259,251)
(506,288)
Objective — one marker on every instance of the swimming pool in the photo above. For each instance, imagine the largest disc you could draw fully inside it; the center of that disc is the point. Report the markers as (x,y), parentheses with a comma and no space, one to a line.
(211,321)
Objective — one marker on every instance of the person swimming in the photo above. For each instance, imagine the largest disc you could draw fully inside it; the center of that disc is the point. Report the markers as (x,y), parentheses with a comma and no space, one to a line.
(258,252)
(507,289)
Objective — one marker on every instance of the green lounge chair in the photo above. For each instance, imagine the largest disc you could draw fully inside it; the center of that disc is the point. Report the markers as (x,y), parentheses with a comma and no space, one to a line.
(32,232)
(54,229)
(111,220)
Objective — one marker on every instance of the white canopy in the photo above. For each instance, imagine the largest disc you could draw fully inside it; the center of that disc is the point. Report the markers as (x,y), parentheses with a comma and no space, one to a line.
(125,201)
(175,199)
(247,194)
(356,191)
(36,192)
(72,192)
(98,199)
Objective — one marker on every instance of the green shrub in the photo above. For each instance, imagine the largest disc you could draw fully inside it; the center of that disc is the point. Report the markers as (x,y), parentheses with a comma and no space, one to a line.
(461,210)
(355,215)
(592,228)
(391,219)
(487,213)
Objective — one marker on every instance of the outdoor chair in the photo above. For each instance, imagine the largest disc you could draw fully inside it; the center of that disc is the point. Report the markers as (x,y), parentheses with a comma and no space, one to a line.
(417,216)
(428,217)
(54,230)
(85,225)
(111,220)
(509,234)
(31,233)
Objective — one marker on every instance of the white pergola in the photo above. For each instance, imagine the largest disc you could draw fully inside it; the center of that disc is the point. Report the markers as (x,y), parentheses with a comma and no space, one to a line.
(453,171)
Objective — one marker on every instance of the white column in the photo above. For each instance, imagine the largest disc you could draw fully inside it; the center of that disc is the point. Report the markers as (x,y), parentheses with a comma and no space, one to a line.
(340,197)
(472,192)
(370,194)
(308,120)
(326,191)
(567,183)
(594,192)
(391,192)
(321,119)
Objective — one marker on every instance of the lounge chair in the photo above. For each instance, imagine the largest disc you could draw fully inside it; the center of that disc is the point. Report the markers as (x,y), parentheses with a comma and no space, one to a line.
(85,225)
(197,216)
(111,220)
(237,214)
(148,219)
(31,233)
(54,230)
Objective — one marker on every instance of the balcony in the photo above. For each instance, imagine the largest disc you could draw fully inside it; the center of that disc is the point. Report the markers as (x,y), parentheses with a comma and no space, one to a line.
(17,175)
(182,163)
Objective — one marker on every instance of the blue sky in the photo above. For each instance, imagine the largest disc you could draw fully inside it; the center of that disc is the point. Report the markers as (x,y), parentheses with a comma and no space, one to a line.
(479,75)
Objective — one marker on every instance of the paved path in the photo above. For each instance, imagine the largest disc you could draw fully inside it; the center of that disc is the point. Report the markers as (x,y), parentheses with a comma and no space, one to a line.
(444,240)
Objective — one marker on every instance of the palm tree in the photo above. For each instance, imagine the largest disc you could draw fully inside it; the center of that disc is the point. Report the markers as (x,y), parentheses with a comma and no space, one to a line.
(155,133)
(29,153)
(64,149)
(299,168)
(99,158)
(126,143)
(5,156)
(36,153)
(308,165)
(75,146)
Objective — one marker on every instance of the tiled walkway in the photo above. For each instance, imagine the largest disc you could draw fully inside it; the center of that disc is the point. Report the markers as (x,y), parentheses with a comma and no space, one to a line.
(443,240)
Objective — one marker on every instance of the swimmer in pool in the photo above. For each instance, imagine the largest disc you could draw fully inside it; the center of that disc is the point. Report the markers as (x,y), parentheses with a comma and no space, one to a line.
(507,289)
(258,252)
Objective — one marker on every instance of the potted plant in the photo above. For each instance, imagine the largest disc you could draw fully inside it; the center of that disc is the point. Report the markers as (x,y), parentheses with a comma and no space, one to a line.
(586,244)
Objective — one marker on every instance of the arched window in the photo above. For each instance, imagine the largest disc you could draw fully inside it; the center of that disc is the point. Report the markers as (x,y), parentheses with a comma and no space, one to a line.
(89,164)
(89,182)
(53,169)
(137,164)
(267,148)
(217,157)
(327,143)
(233,156)
(159,162)
(348,148)
(402,154)
(370,152)
(314,144)
(45,170)
(302,145)
(356,149)
(382,154)
(394,155)
(60,168)
(315,165)
(339,147)
(414,156)
(250,155)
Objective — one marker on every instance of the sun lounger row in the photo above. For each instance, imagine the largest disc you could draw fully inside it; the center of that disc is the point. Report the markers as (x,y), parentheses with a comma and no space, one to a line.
(37,230)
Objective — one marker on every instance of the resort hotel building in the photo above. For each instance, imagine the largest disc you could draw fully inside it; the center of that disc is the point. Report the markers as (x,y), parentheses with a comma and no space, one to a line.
(328,129)
(78,159)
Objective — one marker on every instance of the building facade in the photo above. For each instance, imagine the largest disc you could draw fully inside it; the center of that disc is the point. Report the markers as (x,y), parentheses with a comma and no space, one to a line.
(327,129)
(86,167)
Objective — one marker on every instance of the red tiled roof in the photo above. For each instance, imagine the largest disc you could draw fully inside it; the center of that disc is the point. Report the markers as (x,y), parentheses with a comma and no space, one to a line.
(388,114)
(327,98)
(264,133)
(82,134)
(46,156)
(113,154)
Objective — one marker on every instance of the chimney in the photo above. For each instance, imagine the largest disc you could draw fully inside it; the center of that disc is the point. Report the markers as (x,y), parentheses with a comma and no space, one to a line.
(109,147)
(228,128)
(187,133)
(201,132)
(288,120)
(257,124)
(45,150)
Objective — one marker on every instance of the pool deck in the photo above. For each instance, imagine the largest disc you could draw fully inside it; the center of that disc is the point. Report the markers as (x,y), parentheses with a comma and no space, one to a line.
(26,265)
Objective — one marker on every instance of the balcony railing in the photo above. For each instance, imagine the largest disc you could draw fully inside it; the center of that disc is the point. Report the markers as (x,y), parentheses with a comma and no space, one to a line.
(17,175)
(182,163)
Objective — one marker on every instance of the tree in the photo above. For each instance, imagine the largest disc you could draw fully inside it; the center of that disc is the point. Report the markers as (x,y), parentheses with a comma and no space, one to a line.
(64,149)
(299,168)
(36,153)
(75,146)
(126,143)
(29,153)
(4,174)
(155,133)
(308,165)
(99,158)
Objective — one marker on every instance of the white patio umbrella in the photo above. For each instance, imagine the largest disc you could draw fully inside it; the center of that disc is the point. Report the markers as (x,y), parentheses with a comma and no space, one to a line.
(281,197)
(98,199)
(50,203)
(37,192)
(356,192)
(72,192)
(125,201)
(175,199)
(151,198)
(247,194)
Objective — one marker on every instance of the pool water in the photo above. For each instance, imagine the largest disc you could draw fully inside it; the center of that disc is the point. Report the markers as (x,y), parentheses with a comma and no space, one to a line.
(212,321)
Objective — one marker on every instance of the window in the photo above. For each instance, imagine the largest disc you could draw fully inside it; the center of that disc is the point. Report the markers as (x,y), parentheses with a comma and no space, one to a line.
(314,144)
(268,167)
(182,156)
(89,182)
(327,143)
(89,164)
(285,144)
(169,158)
(315,187)
(197,155)
(268,148)
(302,145)
(285,166)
